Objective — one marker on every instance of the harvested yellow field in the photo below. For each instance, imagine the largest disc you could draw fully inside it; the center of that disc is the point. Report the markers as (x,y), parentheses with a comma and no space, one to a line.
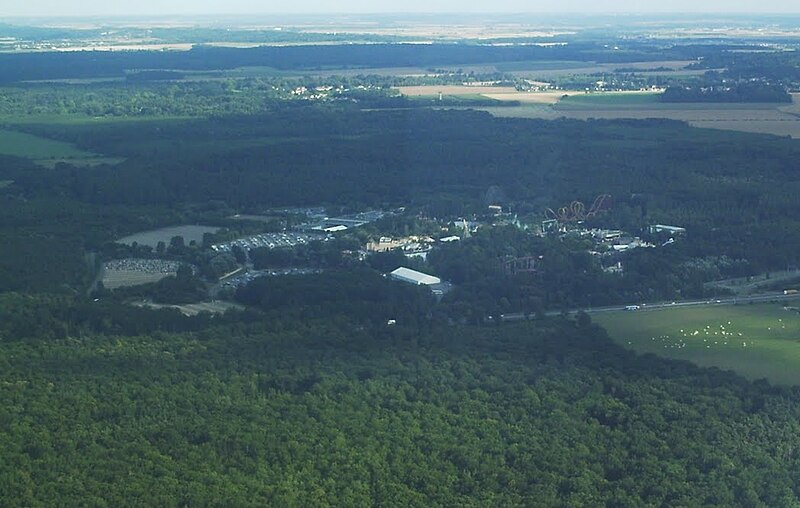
(776,119)
(500,93)
(794,107)
(432,90)
(547,97)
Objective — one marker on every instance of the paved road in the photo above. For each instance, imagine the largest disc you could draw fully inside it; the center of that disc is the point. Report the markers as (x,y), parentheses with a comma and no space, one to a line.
(645,307)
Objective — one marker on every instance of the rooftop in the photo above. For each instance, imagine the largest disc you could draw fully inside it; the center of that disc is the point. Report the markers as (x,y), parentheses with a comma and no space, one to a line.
(413,276)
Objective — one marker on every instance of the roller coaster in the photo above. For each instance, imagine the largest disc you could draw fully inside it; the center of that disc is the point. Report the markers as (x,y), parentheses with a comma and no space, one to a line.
(526,264)
(576,211)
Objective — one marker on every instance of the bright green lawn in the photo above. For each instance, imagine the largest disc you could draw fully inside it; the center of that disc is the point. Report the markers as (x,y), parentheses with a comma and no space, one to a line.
(21,144)
(47,152)
(757,341)
(612,98)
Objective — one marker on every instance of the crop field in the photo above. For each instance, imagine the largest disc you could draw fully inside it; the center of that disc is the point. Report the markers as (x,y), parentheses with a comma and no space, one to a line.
(756,341)
(42,150)
(610,99)
(434,90)
(761,118)
(151,238)
(498,93)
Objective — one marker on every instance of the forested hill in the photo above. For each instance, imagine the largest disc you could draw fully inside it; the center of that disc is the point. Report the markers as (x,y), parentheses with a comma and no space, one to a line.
(320,413)
(86,64)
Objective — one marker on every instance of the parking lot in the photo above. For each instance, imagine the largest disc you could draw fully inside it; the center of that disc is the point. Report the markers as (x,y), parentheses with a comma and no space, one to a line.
(269,241)
(134,271)
(245,278)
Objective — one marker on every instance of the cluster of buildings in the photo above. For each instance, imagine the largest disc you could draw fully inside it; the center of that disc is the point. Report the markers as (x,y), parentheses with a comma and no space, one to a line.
(615,240)
(344,222)
(411,246)
(609,243)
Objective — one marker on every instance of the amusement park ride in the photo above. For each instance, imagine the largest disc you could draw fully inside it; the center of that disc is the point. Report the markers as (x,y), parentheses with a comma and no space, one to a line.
(576,211)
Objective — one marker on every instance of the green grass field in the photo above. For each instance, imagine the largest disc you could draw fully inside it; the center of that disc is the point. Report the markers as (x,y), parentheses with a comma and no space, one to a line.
(78,119)
(757,341)
(612,98)
(28,146)
(541,65)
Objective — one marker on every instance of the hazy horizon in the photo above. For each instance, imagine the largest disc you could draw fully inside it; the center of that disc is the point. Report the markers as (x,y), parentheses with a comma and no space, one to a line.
(97,8)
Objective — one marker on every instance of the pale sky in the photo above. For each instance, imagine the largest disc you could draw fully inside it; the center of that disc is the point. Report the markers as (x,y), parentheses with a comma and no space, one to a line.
(197,7)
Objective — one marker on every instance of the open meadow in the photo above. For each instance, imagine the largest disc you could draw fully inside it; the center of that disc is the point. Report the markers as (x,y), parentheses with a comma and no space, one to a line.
(756,341)
(46,152)
(190,233)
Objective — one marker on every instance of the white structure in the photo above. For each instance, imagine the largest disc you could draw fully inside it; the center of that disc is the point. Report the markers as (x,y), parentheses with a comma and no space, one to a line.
(414,277)
(662,228)
(450,239)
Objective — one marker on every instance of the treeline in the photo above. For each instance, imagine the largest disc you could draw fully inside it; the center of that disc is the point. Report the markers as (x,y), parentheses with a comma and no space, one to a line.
(183,287)
(145,97)
(361,294)
(776,66)
(46,317)
(740,92)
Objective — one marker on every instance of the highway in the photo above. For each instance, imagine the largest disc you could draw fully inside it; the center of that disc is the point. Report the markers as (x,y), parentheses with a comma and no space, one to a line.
(647,307)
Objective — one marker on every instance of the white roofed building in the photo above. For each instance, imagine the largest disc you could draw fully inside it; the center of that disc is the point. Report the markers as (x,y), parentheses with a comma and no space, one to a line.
(414,277)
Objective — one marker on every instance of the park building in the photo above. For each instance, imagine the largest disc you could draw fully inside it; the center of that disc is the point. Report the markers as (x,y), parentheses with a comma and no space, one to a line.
(662,228)
(414,277)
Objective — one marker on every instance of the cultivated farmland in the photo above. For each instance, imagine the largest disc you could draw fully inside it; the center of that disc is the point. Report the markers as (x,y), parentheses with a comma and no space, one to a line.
(757,341)
(499,93)
(762,118)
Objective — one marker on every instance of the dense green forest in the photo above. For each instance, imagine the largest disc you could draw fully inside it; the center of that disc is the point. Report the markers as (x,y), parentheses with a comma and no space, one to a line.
(326,413)
(742,92)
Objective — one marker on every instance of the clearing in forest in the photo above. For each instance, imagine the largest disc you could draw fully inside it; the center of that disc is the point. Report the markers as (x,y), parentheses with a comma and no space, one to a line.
(47,152)
(757,341)
(190,233)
